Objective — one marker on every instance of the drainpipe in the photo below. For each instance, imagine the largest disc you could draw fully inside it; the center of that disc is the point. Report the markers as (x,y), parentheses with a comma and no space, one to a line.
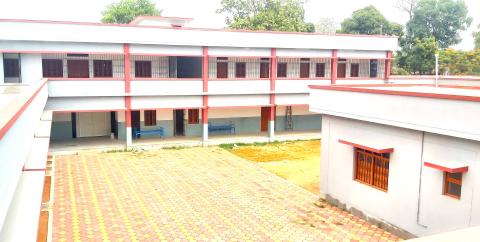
(420,183)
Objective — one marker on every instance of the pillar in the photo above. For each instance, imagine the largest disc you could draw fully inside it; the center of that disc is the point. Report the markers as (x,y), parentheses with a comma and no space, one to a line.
(205,95)
(333,67)
(273,76)
(128,99)
(388,65)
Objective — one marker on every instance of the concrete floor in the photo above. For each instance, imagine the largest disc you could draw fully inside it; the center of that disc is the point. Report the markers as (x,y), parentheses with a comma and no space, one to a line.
(191,194)
(105,143)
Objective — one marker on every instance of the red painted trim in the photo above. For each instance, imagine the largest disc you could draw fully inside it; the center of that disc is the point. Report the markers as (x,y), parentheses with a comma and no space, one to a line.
(398,93)
(251,106)
(86,79)
(139,18)
(446,169)
(381,151)
(161,54)
(165,79)
(11,122)
(205,80)
(57,52)
(296,78)
(293,105)
(87,111)
(239,79)
(360,78)
(309,57)
(187,28)
(173,108)
(246,56)
(444,78)
(128,78)
(333,67)
(34,169)
(388,65)
(363,58)
(273,77)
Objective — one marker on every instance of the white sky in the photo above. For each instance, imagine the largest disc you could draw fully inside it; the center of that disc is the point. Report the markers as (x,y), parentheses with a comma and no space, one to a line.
(203,11)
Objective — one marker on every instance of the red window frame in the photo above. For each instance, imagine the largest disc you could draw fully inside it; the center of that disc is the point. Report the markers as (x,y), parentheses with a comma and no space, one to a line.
(11,67)
(102,68)
(240,69)
(143,69)
(222,67)
(150,117)
(450,180)
(304,68)
(354,70)
(264,68)
(193,116)
(372,168)
(52,67)
(320,70)
(282,69)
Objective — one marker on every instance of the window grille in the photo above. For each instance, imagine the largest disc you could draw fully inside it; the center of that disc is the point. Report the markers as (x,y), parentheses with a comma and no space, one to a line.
(372,168)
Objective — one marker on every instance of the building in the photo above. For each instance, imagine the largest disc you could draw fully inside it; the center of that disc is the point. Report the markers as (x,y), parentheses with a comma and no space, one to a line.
(155,76)
(404,155)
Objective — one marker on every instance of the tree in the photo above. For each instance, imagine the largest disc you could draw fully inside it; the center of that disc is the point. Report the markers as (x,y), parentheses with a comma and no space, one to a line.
(326,26)
(476,37)
(420,58)
(275,15)
(407,6)
(369,20)
(442,19)
(458,62)
(125,11)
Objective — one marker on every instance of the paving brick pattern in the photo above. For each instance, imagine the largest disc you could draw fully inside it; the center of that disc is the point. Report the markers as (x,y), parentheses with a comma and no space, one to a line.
(195,194)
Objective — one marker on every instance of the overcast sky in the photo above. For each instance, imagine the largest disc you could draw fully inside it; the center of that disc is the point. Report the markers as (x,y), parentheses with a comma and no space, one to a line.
(203,11)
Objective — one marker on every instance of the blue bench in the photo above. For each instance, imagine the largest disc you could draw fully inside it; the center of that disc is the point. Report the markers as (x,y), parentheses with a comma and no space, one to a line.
(221,127)
(138,133)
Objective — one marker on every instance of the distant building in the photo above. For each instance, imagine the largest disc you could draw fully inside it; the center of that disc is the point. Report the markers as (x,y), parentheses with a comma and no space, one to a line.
(155,76)
(404,155)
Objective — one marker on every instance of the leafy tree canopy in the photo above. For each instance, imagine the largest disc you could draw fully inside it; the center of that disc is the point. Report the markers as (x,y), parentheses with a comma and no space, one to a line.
(458,62)
(125,11)
(441,19)
(276,15)
(420,58)
(369,20)
(476,37)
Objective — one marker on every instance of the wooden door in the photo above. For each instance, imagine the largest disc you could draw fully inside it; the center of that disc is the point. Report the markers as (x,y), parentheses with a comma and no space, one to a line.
(341,70)
(93,124)
(179,122)
(135,121)
(265,113)
(78,68)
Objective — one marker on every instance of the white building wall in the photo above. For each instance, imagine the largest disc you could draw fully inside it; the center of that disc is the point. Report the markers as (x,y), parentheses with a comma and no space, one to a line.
(400,205)
(233,112)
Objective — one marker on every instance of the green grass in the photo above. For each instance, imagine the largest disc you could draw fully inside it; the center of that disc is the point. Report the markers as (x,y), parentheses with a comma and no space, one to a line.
(120,150)
(232,145)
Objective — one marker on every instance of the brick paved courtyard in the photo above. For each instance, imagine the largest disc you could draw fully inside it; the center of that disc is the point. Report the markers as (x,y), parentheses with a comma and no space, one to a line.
(195,194)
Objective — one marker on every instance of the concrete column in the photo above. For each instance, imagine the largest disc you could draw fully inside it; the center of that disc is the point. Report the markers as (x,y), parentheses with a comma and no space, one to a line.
(128,137)
(205,124)
(271,129)
(128,128)
(388,65)
(1,69)
(333,67)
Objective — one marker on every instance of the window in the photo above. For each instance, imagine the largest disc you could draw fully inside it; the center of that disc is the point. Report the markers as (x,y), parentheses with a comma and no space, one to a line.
(282,69)
(372,168)
(341,70)
(143,69)
(320,70)
(354,69)
(304,68)
(11,68)
(222,67)
(240,69)
(102,68)
(150,117)
(78,68)
(193,116)
(264,68)
(52,68)
(452,184)
(373,68)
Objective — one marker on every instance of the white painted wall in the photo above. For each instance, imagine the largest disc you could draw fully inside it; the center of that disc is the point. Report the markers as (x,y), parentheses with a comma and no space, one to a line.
(297,86)
(361,54)
(166,50)
(233,100)
(289,99)
(399,206)
(236,51)
(180,87)
(86,88)
(234,112)
(31,67)
(85,103)
(153,102)
(238,86)
(314,53)
(36,44)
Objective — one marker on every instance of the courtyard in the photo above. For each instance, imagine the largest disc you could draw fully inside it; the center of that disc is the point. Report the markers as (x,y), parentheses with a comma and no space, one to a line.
(194,194)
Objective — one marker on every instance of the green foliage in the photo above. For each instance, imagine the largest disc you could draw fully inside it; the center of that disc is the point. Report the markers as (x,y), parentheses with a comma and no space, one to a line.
(457,62)
(420,57)
(275,15)
(441,19)
(370,21)
(476,37)
(125,11)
